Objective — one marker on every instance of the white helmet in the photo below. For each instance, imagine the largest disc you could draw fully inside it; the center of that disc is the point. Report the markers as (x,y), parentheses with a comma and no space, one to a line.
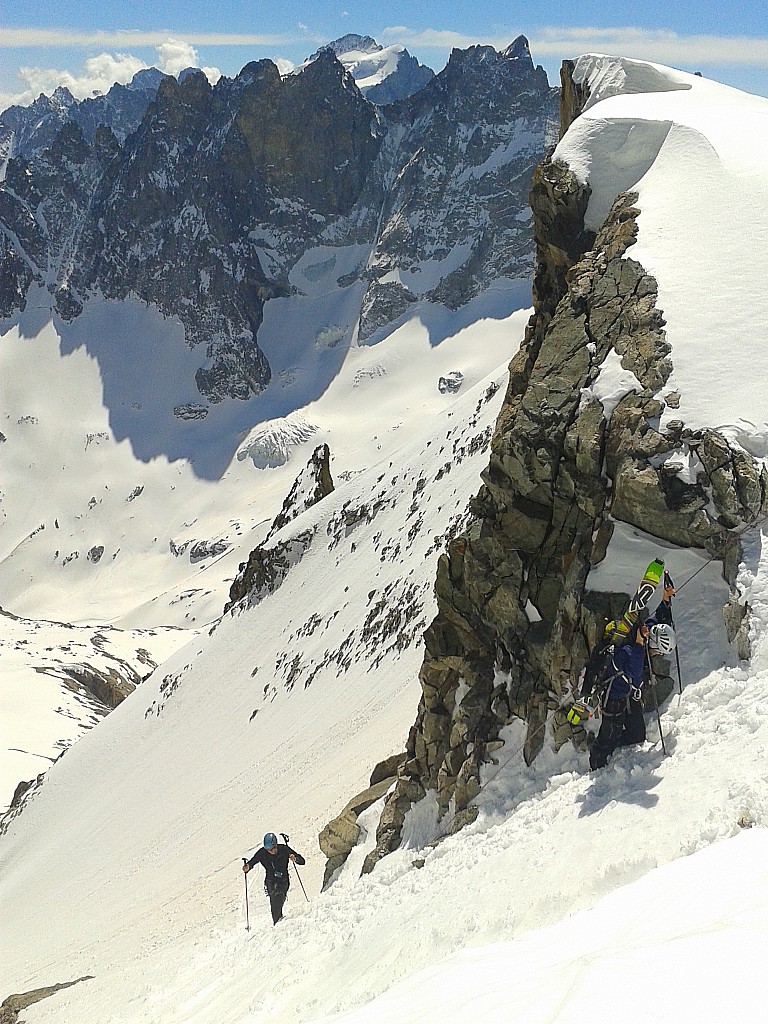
(662,638)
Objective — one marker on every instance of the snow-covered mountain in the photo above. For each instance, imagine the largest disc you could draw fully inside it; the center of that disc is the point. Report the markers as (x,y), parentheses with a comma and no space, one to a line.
(383,74)
(265,188)
(613,435)
(193,288)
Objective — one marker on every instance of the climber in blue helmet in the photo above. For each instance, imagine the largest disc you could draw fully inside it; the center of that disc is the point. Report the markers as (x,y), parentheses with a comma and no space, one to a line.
(273,857)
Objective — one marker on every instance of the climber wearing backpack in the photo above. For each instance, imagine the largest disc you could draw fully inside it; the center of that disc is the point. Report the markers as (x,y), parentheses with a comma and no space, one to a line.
(274,857)
(623,677)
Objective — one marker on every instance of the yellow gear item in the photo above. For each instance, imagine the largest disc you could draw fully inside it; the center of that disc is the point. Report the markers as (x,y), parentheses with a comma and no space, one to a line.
(578,711)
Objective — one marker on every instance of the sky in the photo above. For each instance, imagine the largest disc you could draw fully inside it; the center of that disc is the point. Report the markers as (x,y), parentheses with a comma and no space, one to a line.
(88,46)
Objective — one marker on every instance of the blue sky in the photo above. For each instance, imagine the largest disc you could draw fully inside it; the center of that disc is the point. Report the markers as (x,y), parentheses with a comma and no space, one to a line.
(88,45)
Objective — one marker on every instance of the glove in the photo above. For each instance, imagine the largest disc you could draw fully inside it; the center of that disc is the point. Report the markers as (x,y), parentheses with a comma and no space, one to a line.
(578,711)
(246,869)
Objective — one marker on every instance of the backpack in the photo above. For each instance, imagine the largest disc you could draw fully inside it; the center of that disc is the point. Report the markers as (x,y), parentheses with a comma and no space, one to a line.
(594,682)
(596,671)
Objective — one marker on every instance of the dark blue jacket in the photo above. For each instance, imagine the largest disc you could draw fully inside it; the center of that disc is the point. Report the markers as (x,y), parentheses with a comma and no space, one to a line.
(627,666)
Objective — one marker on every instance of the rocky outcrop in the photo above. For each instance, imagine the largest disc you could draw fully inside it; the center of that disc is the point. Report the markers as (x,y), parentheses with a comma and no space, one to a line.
(311,485)
(573,96)
(12,1005)
(513,626)
(108,686)
(340,836)
(267,568)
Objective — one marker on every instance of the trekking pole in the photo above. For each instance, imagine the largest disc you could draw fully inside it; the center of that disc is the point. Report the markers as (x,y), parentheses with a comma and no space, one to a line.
(247,919)
(655,700)
(668,583)
(679,678)
(285,840)
(300,882)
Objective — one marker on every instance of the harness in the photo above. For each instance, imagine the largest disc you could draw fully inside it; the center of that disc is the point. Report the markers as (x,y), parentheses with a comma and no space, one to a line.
(592,703)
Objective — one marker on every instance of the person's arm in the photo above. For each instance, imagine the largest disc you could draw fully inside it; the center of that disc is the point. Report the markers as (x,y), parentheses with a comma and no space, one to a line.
(296,857)
(635,659)
(248,864)
(664,611)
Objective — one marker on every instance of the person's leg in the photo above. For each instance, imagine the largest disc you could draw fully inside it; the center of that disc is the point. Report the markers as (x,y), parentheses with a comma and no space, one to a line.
(276,901)
(611,728)
(634,725)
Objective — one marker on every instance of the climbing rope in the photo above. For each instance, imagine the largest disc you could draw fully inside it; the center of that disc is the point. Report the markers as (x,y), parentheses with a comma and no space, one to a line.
(758,519)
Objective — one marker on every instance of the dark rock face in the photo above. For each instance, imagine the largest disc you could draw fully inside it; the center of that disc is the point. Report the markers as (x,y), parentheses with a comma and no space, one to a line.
(513,625)
(206,206)
(408,77)
(312,485)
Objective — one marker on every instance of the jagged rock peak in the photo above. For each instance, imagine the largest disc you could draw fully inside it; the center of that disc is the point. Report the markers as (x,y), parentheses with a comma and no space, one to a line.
(515,60)
(311,485)
(384,74)
(61,97)
(258,71)
(519,49)
(350,42)
(146,80)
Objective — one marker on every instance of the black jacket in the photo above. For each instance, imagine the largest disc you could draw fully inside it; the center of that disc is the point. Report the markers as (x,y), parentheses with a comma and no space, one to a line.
(276,864)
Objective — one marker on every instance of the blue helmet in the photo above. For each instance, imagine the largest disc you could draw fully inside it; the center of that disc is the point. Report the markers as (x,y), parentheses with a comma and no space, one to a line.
(270,841)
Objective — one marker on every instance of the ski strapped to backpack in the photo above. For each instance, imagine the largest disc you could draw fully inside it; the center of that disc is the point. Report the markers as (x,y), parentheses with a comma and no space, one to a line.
(594,682)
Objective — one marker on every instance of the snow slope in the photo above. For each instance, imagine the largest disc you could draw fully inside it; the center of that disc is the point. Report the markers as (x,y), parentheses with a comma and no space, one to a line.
(99,531)
(151,906)
(640,887)
(696,153)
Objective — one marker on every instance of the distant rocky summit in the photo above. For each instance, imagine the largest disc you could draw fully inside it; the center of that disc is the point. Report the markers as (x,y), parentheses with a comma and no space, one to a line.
(25,131)
(384,74)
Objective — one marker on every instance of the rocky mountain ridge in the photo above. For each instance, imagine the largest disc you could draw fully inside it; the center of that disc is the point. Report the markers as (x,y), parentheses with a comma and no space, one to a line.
(516,617)
(206,210)
(384,74)
(26,131)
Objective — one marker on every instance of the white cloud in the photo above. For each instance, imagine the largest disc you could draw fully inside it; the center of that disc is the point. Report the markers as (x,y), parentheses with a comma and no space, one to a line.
(174,55)
(654,45)
(285,67)
(101,72)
